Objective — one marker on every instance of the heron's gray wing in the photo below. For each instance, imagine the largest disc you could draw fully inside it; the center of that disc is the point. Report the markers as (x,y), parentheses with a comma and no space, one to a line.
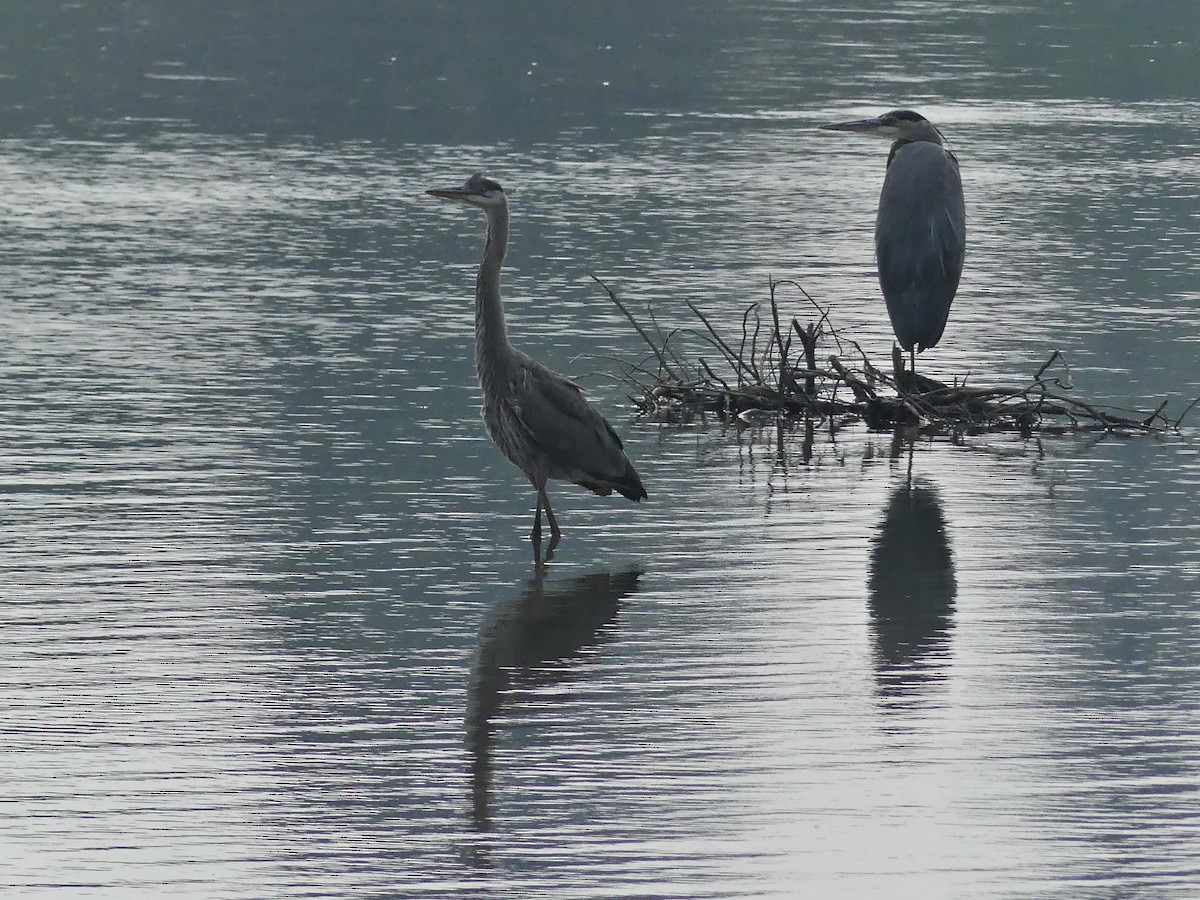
(920,241)
(572,436)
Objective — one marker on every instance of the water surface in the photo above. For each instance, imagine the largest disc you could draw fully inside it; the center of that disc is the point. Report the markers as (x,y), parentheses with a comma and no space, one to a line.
(270,623)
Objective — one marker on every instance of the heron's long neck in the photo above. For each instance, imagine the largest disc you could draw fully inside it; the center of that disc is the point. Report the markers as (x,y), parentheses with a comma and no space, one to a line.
(491,336)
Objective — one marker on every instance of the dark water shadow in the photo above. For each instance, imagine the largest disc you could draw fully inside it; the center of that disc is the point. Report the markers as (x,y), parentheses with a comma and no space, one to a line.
(911,591)
(532,640)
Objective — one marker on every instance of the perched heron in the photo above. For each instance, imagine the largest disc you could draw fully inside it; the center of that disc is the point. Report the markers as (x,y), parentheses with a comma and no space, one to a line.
(537,418)
(921,227)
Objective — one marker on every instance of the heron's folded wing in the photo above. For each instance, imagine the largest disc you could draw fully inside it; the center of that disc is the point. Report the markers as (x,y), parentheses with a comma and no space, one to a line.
(568,429)
(920,232)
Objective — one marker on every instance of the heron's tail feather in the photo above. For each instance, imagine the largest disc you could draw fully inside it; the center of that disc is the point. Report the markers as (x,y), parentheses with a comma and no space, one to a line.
(628,484)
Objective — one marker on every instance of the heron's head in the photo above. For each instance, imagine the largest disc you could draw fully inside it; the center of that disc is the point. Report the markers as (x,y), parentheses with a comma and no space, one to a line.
(897,125)
(479,190)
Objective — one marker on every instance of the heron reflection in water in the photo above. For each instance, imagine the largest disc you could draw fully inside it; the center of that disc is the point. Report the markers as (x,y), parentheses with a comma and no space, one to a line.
(532,641)
(920,228)
(911,589)
(539,420)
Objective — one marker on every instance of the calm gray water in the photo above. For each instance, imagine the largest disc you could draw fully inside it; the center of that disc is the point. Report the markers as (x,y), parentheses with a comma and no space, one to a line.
(268,622)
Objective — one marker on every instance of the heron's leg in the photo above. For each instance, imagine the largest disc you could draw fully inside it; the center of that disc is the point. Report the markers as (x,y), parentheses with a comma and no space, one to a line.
(535,536)
(912,363)
(555,534)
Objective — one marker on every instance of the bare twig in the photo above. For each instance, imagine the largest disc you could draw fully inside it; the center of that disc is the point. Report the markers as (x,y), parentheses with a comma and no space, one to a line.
(734,360)
(1188,409)
(882,399)
(784,379)
(1037,376)
(714,376)
(1149,420)
(662,360)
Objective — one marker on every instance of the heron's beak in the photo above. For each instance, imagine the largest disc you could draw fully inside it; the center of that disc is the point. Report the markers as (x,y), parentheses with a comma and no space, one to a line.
(462,195)
(866,126)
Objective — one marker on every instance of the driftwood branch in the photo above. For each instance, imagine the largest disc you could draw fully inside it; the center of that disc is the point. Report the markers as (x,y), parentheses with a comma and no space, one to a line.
(882,399)
(658,351)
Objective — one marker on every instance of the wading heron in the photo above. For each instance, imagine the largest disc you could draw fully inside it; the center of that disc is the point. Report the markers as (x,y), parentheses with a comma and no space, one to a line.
(920,229)
(537,418)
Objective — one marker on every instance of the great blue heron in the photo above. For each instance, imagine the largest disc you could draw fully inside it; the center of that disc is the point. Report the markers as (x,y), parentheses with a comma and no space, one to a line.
(920,229)
(537,418)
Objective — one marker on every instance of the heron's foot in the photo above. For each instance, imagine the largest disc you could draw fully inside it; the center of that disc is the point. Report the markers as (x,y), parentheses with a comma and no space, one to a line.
(555,537)
(539,561)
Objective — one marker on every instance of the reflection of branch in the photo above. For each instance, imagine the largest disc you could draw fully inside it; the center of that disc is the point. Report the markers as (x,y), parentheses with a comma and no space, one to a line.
(881,399)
